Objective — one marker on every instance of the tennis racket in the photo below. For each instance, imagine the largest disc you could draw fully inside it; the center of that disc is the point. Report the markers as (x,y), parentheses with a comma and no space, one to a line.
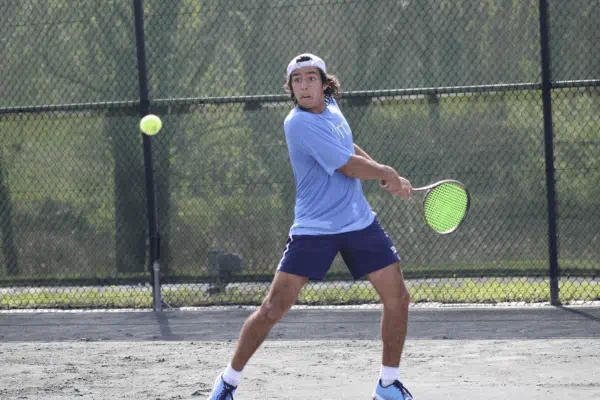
(445,205)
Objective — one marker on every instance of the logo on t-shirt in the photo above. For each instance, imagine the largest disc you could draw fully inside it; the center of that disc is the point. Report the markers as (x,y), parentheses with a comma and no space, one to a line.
(341,131)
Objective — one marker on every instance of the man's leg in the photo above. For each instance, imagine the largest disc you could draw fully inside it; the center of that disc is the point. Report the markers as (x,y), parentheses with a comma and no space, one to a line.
(281,297)
(309,255)
(389,284)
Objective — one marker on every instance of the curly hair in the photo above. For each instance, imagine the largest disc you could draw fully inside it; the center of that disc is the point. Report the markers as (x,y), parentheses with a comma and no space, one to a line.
(333,84)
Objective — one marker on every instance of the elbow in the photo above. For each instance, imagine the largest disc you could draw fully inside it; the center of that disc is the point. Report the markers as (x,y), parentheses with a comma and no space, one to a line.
(343,170)
(348,170)
(351,174)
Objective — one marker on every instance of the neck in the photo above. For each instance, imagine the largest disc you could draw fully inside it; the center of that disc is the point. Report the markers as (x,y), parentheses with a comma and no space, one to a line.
(315,110)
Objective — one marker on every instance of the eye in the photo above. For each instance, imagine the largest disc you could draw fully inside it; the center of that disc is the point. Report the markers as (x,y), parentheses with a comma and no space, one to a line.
(296,80)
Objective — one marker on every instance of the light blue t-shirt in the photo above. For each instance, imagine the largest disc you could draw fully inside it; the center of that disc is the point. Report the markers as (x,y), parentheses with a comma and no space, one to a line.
(327,201)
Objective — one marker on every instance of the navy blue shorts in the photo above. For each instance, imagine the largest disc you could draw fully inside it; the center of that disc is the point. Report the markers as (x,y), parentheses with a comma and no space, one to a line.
(363,251)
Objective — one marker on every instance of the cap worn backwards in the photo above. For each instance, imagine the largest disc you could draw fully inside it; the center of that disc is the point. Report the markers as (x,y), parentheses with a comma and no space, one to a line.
(313,62)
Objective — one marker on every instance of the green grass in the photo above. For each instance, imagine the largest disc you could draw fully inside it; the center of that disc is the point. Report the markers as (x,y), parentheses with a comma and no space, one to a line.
(80,299)
(460,291)
(583,268)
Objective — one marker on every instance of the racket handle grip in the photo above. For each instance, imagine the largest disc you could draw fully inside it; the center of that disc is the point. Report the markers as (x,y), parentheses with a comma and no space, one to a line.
(383,183)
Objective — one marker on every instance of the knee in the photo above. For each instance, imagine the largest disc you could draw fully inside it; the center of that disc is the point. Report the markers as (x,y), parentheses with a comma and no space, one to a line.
(271,311)
(404,295)
(400,298)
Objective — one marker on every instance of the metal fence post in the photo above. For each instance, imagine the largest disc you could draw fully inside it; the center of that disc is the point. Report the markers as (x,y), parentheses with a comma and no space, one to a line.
(6,225)
(154,232)
(549,152)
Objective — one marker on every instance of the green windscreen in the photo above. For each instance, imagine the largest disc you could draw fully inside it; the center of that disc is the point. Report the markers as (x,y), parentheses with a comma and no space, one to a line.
(446,206)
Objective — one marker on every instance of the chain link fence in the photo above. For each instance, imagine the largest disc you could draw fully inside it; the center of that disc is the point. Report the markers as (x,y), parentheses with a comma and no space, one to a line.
(89,206)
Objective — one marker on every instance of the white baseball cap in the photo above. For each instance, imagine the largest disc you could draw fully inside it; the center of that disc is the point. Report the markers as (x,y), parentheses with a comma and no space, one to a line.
(313,62)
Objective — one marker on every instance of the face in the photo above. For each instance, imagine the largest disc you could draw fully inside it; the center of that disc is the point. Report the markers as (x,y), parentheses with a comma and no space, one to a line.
(309,89)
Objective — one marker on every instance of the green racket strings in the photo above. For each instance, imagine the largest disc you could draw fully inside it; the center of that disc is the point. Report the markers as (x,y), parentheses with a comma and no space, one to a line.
(445,207)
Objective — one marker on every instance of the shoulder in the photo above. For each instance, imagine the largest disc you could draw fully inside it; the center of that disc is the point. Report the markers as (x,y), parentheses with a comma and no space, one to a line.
(333,107)
(331,103)
(296,120)
(296,115)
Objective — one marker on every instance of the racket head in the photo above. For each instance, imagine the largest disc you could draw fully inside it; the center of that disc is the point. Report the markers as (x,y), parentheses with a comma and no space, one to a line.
(445,206)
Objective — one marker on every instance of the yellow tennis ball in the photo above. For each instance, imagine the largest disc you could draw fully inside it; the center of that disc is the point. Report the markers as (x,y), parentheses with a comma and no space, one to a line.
(150,124)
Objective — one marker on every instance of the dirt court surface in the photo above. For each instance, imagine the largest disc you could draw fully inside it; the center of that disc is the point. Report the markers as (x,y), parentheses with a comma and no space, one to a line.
(454,353)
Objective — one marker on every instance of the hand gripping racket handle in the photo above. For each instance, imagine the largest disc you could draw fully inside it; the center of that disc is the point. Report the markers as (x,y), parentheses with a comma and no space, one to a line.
(383,184)
(445,205)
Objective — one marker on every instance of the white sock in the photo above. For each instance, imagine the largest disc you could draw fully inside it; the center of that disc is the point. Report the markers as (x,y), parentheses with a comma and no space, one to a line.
(389,375)
(231,376)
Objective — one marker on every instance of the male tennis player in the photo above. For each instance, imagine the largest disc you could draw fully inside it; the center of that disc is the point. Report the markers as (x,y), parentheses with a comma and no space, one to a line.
(331,216)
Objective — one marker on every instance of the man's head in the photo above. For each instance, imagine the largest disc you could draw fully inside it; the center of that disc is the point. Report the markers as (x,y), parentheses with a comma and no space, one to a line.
(306,60)
(308,83)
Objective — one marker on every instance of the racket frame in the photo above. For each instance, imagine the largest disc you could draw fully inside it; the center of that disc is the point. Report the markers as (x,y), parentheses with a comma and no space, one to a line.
(427,190)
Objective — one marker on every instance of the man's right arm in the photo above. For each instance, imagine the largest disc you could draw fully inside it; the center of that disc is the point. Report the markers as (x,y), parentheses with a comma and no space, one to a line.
(362,168)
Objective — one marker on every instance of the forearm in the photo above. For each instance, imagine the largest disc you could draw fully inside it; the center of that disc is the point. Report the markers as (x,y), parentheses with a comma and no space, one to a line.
(363,168)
